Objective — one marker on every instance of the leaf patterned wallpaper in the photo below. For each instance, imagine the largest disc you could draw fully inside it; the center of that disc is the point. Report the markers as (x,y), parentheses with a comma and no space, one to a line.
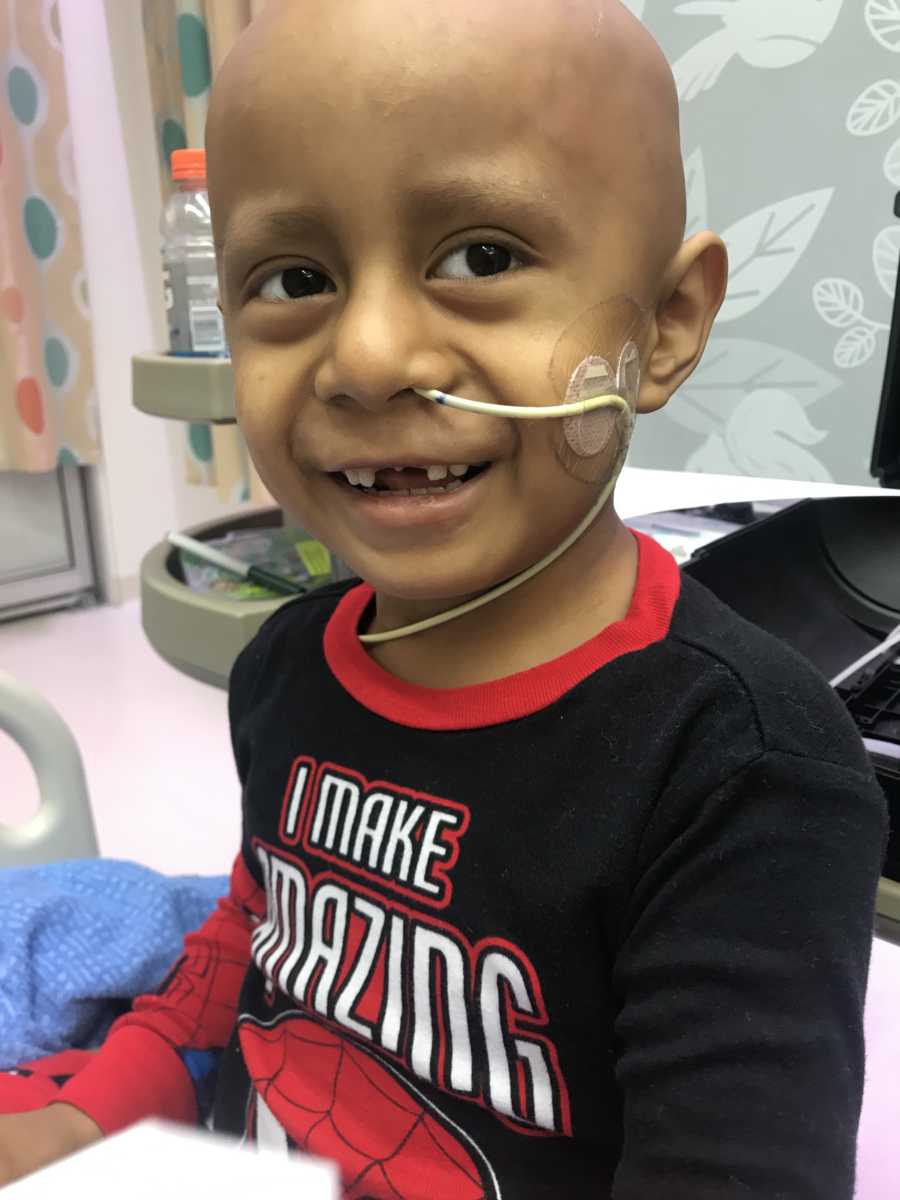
(791,135)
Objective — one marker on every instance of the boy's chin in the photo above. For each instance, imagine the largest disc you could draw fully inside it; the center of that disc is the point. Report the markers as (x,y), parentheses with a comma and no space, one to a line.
(435,587)
(441,577)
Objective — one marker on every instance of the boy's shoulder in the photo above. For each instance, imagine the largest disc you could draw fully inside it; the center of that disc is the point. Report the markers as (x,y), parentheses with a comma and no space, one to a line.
(746,675)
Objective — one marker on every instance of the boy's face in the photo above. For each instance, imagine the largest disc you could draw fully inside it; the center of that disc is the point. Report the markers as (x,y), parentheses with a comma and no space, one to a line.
(421,196)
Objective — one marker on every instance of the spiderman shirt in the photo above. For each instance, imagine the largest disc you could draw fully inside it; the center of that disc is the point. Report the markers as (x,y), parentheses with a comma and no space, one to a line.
(600,929)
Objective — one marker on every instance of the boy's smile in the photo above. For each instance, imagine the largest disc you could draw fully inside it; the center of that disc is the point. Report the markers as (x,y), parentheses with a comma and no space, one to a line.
(410,196)
(414,494)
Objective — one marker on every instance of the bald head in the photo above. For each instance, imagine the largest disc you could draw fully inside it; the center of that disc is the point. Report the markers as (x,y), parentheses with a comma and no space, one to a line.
(579,85)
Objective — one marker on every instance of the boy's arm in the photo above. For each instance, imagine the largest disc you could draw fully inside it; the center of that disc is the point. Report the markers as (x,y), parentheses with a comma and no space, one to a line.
(143,1067)
(742,975)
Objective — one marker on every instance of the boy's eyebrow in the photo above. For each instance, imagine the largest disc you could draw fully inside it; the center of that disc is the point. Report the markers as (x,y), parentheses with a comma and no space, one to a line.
(499,196)
(433,200)
(290,223)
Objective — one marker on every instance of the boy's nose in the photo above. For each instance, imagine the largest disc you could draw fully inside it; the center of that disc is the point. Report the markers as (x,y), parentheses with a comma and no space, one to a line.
(381,347)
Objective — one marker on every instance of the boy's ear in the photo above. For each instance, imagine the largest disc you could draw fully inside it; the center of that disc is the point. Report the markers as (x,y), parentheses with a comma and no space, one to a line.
(695,286)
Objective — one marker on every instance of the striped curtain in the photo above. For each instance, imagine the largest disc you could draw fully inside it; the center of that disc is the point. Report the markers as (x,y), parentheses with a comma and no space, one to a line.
(186,41)
(48,410)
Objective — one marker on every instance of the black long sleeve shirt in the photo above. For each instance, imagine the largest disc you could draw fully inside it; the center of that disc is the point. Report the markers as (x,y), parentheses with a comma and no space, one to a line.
(600,929)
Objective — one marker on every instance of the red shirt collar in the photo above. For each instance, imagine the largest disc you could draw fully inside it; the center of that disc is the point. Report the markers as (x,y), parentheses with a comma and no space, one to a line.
(647,621)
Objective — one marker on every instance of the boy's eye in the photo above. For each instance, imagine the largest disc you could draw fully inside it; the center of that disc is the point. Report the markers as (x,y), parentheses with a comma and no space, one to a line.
(295,283)
(478,260)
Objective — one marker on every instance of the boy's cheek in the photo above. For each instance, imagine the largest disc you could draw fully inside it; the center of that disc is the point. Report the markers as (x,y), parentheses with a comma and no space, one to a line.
(300,495)
(267,429)
(262,403)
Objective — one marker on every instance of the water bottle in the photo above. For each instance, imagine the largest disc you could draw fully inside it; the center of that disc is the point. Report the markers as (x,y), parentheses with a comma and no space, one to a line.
(189,261)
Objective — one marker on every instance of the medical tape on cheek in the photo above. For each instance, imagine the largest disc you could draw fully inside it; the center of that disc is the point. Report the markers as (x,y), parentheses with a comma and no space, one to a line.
(588,434)
(578,359)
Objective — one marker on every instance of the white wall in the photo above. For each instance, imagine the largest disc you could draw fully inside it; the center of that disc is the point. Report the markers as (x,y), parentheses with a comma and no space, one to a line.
(138,492)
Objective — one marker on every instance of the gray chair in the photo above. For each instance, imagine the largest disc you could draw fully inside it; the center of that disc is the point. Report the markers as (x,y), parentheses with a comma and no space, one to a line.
(63,826)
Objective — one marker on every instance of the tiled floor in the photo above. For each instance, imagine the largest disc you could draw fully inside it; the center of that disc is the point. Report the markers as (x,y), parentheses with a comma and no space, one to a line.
(155,743)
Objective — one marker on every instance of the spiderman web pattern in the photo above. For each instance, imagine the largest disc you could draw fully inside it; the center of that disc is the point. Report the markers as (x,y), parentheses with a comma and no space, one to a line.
(347,1105)
(195,1006)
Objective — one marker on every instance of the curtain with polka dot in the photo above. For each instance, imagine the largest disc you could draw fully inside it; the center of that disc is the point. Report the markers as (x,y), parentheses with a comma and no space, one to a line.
(186,41)
(47,399)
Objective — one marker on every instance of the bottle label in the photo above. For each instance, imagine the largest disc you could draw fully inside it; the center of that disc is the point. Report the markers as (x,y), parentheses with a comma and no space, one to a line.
(168,294)
(207,329)
(177,308)
(195,323)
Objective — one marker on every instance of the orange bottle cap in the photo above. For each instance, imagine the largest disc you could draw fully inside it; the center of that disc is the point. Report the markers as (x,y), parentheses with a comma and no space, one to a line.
(189,164)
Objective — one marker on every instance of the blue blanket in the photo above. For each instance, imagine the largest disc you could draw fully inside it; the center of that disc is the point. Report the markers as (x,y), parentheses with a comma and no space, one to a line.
(79,940)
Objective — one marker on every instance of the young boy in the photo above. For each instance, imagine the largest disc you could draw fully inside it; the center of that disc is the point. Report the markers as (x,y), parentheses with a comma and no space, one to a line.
(570,895)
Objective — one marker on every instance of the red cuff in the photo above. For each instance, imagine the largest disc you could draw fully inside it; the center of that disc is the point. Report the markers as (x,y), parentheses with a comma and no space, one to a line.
(137,1074)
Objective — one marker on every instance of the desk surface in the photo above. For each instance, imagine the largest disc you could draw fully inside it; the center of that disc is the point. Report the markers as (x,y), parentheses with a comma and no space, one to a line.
(640,491)
(154,1158)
